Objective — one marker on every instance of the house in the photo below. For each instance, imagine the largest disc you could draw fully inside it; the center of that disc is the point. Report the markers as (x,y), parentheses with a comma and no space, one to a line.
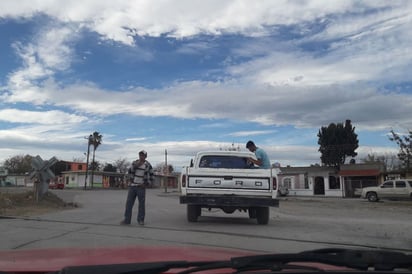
(310,181)
(19,180)
(357,176)
(347,181)
(3,176)
(166,181)
(100,179)
(62,166)
(9,179)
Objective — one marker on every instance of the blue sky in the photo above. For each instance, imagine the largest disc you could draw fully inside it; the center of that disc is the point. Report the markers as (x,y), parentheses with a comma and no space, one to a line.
(185,76)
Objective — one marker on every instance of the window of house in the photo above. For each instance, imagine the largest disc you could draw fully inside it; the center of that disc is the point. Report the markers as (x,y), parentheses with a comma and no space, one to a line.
(334,182)
(287,182)
(400,184)
(80,167)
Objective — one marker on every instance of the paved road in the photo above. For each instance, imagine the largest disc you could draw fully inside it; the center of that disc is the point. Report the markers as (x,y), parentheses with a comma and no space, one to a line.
(298,224)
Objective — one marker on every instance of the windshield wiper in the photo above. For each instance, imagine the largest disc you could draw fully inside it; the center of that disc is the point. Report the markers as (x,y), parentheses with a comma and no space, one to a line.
(353,259)
(137,268)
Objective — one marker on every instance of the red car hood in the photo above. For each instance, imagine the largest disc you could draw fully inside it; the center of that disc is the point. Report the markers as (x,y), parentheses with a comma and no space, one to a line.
(46,260)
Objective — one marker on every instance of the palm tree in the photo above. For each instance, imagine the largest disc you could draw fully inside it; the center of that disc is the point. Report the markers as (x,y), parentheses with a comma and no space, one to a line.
(96,140)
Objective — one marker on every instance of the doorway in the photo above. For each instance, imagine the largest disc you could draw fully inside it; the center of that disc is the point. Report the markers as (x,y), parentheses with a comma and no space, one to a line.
(319,188)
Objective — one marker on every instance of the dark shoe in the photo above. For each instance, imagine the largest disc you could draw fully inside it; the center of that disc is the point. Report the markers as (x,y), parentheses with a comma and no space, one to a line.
(124,223)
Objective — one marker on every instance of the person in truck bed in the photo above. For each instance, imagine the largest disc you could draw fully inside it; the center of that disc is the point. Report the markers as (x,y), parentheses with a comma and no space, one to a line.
(261,156)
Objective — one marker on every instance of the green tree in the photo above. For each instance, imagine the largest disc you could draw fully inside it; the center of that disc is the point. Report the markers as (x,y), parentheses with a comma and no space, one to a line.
(405,148)
(18,164)
(59,167)
(109,168)
(336,142)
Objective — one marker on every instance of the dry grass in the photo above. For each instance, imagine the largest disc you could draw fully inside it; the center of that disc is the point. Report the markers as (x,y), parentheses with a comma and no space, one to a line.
(25,204)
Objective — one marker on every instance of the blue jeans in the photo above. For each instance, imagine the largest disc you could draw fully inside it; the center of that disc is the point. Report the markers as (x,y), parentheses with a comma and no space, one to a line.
(140,193)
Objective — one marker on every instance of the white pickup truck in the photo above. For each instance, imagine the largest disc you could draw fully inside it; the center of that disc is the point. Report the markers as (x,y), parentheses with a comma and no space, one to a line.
(227,180)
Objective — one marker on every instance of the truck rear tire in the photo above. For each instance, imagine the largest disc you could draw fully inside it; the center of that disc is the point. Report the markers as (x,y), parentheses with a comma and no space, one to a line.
(193,212)
(262,215)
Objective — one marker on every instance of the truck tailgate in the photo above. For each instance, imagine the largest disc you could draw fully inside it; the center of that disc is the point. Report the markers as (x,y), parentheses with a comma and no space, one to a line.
(231,180)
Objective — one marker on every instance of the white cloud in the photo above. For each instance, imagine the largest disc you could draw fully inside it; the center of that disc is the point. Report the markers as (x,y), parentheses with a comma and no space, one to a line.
(47,54)
(251,133)
(276,105)
(121,20)
(279,86)
(136,139)
(50,117)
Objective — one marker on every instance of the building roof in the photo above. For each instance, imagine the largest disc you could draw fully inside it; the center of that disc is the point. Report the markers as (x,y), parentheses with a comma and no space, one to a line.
(360,172)
(308,169)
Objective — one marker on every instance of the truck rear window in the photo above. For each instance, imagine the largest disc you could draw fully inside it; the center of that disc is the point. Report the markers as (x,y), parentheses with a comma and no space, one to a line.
(211,161)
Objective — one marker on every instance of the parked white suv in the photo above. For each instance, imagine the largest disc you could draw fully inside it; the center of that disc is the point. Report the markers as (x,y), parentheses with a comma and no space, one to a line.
(392,189)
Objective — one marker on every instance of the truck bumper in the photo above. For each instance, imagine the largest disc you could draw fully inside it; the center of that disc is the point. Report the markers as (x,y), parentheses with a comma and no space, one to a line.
(229,200)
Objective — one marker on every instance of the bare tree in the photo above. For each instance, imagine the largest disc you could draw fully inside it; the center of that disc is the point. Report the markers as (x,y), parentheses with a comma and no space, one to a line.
(163,169)
(122,165)
(405,147)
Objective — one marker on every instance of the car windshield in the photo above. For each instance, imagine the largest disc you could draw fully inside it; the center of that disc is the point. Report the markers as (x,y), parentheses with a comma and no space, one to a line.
(198,130)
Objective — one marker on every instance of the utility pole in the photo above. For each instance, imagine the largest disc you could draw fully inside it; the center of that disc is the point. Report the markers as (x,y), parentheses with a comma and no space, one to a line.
(167,171)
(87,161)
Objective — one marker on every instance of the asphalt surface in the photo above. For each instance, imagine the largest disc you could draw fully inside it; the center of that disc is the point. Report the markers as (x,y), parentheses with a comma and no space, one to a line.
(298,224)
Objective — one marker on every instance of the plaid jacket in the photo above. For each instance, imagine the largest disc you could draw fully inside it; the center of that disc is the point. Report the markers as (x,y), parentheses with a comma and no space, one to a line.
(148,175)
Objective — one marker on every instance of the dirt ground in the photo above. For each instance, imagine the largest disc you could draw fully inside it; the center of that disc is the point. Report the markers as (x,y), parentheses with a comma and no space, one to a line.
(23,203)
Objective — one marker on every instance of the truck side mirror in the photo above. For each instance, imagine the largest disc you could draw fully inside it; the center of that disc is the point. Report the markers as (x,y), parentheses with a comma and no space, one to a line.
(191,163)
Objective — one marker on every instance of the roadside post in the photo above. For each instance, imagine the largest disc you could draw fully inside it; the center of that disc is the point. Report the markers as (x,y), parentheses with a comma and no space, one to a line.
(42,175)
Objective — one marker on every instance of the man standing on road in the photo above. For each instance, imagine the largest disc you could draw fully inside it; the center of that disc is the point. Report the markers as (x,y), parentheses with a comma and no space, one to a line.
(141,174)
(261,156)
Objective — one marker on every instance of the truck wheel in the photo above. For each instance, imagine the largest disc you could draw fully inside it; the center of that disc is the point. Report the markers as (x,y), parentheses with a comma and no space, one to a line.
(252,212)
(372,197)
(193,212)
(262,215)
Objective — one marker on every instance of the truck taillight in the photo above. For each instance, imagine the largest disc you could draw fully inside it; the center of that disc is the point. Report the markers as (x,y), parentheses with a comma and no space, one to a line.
(274,183)
(184,180)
